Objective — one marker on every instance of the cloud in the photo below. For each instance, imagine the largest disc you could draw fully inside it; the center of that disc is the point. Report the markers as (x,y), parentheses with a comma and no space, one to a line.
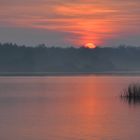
(90,20)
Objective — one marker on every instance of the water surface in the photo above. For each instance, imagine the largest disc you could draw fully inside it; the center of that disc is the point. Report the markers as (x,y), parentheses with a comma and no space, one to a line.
(67,108)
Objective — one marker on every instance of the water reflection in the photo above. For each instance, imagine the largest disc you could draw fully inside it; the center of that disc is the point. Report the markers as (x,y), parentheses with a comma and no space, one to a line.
(66,108)
(131,101)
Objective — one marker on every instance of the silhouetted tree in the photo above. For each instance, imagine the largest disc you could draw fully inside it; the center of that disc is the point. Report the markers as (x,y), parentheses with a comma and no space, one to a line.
(14,58)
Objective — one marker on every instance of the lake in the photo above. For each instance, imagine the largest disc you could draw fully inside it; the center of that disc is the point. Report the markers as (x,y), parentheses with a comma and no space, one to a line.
(67,108)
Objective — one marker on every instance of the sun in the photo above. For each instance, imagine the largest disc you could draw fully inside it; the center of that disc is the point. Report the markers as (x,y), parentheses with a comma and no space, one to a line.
(90,45)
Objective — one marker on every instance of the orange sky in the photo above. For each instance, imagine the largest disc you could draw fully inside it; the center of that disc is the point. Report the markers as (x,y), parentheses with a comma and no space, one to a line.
(66,22)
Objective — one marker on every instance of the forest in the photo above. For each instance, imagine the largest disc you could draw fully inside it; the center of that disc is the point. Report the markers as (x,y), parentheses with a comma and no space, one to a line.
(41,59)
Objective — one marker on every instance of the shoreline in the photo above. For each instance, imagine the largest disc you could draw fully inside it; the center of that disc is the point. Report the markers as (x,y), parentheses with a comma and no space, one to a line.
(109,73)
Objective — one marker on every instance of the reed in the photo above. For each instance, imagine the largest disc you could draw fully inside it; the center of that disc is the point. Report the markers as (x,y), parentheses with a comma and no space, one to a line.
(132,92)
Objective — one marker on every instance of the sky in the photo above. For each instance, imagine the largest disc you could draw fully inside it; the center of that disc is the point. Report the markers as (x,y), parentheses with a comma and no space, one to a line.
(70,22)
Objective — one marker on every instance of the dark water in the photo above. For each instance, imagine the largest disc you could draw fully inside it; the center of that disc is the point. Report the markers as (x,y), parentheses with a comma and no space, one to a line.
(67,108)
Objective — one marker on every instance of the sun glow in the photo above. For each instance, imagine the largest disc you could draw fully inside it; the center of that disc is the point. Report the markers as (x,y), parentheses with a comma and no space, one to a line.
(71,22)
(90,45)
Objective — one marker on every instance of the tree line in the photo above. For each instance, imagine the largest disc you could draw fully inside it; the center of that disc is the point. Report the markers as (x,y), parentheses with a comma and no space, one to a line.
(14,58)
